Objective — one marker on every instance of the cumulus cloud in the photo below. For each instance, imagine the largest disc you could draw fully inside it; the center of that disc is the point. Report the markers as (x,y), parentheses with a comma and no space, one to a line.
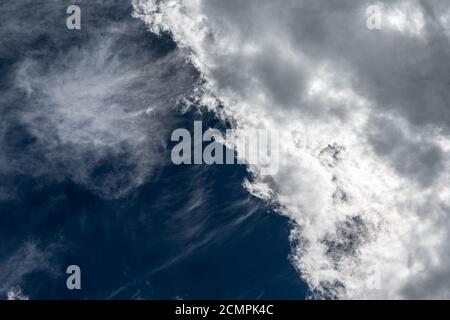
(364,122)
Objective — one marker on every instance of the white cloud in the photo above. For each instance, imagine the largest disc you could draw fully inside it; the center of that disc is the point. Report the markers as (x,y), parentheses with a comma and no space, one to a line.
(366,191)
(93,106)
(406,17)
(90,109)
(15,293)
(28,258)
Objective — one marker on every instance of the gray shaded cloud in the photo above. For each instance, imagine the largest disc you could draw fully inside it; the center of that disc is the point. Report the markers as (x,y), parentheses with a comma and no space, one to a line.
(389,67)
(317,73)
(421,159)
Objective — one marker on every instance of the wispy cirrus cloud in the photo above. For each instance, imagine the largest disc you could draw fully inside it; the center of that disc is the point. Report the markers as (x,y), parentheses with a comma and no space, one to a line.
(87,105)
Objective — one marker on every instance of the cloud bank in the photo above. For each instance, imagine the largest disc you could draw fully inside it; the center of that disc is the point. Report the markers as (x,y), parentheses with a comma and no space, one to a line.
(364,119)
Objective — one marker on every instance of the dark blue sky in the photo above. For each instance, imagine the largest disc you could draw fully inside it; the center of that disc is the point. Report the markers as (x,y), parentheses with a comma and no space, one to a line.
(189,232)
